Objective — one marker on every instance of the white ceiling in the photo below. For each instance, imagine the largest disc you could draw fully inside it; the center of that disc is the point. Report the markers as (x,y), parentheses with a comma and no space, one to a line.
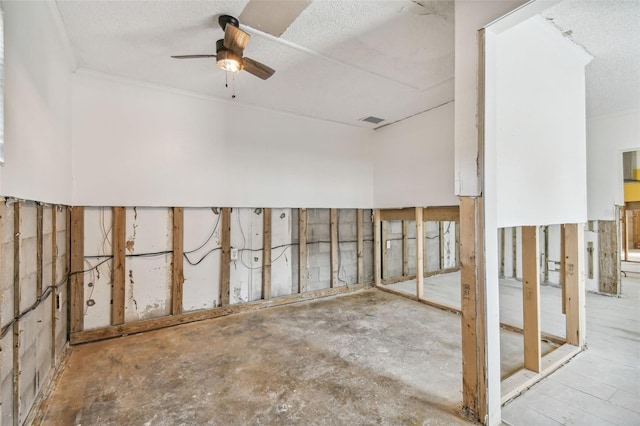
(610,32)
(339,60)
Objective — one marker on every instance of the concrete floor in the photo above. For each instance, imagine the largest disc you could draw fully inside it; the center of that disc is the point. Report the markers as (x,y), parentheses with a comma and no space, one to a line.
(356,359)
(364,358)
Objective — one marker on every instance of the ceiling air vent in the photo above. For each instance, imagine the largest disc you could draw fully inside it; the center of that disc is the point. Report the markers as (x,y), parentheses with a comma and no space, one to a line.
(372,120)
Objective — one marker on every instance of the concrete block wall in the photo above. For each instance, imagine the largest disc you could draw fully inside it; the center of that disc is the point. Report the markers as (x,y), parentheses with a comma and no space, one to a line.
(318,249)
(42,320)
(347,247)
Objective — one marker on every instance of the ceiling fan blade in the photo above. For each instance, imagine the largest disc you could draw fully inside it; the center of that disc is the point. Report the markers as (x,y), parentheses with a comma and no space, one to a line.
(193,56)
(235,39)
(256,68)
(272,16)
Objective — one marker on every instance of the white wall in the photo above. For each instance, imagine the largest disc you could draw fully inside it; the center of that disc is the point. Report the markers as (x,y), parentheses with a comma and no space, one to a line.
(539,129)
(38,67)
(413,161)
(141,145)
(470,16)
(608,137)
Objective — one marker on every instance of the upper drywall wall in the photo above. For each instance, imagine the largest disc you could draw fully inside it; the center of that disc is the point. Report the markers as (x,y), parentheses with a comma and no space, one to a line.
(608,137)
(37,96)
(470,16)
(536,125)
(140,145)
(413,161)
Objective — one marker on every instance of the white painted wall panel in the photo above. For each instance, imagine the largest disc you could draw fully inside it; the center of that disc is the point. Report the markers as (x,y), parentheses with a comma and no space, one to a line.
(37,104)
(414,161)
(540,134)
(146,146)
(607,138)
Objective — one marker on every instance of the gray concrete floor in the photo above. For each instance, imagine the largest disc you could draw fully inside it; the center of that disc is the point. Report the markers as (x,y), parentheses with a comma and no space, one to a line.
(601,386)
(355,359)
(359,359)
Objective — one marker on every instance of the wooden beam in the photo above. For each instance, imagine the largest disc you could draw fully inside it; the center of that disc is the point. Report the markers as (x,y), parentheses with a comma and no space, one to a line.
(118,275)
(303,261)
(426,274)
(419,255)
(187,317)
(441,244)
(531,298)
(456,225)
(225,258)
(77,267)
(405,249)
(546,254)
(39,244)
(442,214)
(502,252)
(471,340)
(377,249)
(563,285)
(574,281)
(625,233)
(266,254)
(430,214)
(177,263)
(54,281)
(335,261)
(423,301)
(385,248)
(514,252)
(607,257)
(17,243)
(360,243)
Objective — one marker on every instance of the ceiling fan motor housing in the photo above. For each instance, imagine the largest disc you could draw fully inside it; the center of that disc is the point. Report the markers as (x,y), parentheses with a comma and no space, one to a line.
(223,20)
(223,54)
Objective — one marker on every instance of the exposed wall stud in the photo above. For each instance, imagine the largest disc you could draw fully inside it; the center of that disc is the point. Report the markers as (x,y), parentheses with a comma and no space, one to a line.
(360,244)
(77,267)
(39,244)
(514,252)
(334,248)
(419,254)
(302,251)
(17,243)
(177,262)
(405,249)
(266,253)
(54,279)
(225,259)
(502,252)
(574,281)
(531,298)
(441,243)
(377,249)
(385,250)
(118,275)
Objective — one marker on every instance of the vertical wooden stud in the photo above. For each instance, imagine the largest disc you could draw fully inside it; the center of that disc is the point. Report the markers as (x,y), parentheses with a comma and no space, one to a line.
(177,263)
(624,232)
(39,244)
(225,261)
(457,228)
(441,243)
(266,254)
(419,254)
(77,267)
(118,235)
(502,252)
(385,249)
(546,254)
(563,286)
(574,282)
(531,298)
(472,308)
(360,244)
(334,248)
(302,250)
(54,279)
(514,252)
(377,248)
(425,262)
(17,243)
(405,249)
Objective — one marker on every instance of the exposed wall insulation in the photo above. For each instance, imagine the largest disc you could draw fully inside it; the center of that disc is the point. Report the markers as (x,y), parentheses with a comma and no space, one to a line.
(34,272)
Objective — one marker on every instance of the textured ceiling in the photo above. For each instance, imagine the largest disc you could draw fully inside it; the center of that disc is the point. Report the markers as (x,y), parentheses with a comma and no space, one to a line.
(610,32)
(339,60)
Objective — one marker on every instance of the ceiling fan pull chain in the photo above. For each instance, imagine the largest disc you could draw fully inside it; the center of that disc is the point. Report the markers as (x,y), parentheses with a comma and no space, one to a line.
(226,79)
(233,82)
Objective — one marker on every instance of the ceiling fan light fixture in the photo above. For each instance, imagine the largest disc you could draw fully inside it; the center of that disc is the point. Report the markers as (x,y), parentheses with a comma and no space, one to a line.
(229,61)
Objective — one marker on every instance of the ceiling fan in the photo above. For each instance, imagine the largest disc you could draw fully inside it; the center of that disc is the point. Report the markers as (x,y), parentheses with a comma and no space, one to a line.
(229,51)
